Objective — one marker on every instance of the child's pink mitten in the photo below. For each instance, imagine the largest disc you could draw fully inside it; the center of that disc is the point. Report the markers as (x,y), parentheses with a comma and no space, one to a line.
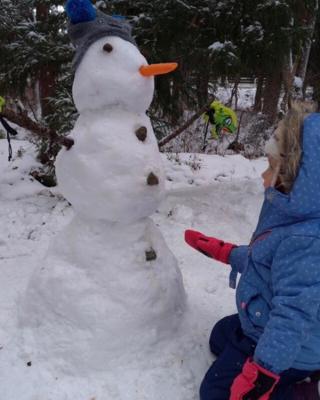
(209,246)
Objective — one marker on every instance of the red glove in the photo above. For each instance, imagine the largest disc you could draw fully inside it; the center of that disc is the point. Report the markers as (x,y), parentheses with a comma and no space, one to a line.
(254,383)
(209,246)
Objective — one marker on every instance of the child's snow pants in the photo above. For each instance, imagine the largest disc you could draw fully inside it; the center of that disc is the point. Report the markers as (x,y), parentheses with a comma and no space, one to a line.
(232,348)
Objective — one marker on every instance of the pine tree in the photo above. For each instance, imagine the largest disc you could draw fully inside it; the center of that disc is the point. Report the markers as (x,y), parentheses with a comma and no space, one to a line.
(277,49)
(35,47)
(212,40)
(309,12)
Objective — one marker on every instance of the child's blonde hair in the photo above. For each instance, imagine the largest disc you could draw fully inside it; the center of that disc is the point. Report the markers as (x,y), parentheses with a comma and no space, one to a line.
(288,137)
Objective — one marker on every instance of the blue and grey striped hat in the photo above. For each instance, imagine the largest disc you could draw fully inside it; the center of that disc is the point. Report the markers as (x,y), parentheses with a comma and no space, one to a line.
(87,25)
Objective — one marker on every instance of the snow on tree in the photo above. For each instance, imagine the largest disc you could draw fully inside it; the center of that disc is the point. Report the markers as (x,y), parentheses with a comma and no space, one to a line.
(268,41)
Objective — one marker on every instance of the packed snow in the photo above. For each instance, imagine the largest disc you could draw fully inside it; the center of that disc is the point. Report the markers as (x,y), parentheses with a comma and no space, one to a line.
(123,294)
(220,196)
(112,80)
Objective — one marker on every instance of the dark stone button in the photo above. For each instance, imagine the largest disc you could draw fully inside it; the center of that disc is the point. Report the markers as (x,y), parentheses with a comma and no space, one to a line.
(152,179)
(141,133)
(151,255)
(108,48)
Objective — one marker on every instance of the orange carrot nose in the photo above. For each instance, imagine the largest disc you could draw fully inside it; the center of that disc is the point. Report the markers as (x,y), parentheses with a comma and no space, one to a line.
(157,69)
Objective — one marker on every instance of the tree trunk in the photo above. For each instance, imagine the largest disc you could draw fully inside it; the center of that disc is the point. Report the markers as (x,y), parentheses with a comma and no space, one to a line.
(271,94)
(258,97)
(47,79)
(310,24)
(47,72)
(235,93)
(202,86)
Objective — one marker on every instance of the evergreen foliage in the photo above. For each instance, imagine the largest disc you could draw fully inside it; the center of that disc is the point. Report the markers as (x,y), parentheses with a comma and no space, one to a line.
(217,41)
(212,40)
(34,49)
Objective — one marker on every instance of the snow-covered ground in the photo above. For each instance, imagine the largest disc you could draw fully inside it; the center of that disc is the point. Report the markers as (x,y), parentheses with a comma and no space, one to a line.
(219,196)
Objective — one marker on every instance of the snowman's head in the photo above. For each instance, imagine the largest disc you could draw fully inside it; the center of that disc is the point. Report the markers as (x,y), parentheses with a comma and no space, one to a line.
(109,75)
(110,70)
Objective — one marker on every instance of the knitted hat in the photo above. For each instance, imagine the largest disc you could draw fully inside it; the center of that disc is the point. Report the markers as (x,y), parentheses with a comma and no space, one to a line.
(87,25)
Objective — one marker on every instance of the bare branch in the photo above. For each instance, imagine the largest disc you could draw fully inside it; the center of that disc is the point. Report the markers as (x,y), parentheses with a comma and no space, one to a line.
(25,122)
(182,128)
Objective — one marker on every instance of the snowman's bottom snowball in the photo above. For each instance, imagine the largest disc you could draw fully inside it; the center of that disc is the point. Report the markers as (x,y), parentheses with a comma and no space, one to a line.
(173,370)
(96,300)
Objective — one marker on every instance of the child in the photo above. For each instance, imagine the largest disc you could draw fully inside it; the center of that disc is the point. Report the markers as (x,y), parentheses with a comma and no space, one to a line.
(274,340)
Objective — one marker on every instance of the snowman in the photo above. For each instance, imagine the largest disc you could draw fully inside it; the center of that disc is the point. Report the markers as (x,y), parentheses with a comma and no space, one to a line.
(109,290)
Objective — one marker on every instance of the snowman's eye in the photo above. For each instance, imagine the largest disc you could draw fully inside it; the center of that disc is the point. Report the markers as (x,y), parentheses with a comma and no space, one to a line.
(108,48)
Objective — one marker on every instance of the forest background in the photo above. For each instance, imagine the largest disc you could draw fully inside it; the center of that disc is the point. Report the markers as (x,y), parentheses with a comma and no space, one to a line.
(273,45)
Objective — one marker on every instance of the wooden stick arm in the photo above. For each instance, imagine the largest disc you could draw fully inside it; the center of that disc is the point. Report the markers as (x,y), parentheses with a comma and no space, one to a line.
(182,128)
(25,122)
